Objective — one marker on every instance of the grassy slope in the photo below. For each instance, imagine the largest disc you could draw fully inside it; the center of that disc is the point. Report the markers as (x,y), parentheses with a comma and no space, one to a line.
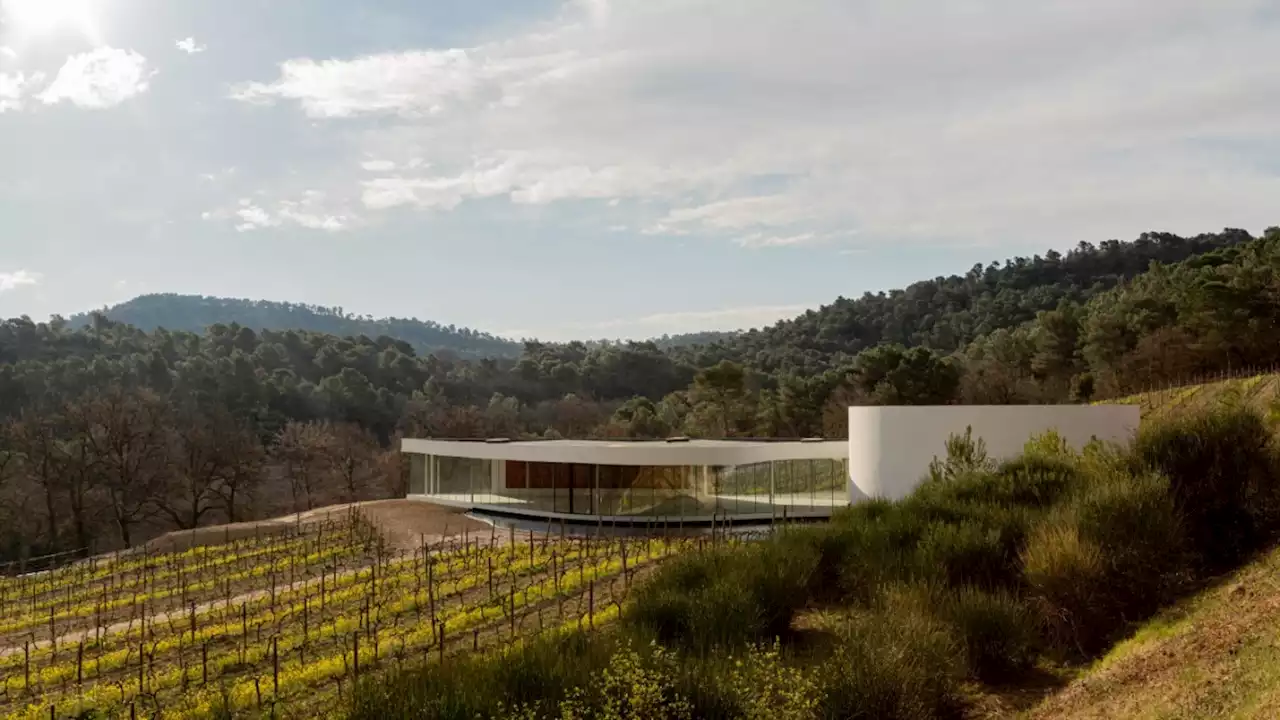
(1259,392)
(1216,654)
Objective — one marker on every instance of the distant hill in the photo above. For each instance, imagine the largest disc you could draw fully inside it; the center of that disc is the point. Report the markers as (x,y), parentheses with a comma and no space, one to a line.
(195,313)
(944,314)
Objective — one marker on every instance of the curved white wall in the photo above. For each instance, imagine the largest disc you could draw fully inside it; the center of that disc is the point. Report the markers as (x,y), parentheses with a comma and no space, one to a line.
(890,448)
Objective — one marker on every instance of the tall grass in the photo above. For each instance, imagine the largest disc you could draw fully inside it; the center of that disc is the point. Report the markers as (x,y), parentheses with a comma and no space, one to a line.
(888,610)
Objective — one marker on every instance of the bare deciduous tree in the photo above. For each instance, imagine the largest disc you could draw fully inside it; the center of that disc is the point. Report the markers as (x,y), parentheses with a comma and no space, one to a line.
(126,430)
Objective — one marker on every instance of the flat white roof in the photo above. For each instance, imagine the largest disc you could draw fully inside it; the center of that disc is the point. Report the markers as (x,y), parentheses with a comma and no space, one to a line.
(645,452)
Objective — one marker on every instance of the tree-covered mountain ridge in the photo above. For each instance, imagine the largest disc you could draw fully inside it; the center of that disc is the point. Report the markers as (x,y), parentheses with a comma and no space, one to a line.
(944,313)
(197,313)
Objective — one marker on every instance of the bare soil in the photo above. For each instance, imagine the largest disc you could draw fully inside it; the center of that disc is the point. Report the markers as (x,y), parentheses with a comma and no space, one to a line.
(405,524)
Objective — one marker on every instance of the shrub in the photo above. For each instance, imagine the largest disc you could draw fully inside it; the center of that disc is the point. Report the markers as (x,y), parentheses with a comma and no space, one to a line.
(1109,557)
(1030,481)
(892,663)
(1066,573)
(873,553)
(964,455)
(631,686)
(967,553)
(1223,474)
(728,597)
(998,631)
(758,683)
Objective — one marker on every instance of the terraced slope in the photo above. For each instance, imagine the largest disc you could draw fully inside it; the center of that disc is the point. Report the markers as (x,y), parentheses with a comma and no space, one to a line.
(1258,391)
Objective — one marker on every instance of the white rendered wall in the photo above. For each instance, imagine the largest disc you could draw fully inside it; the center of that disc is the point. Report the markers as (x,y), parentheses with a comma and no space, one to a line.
(890,448)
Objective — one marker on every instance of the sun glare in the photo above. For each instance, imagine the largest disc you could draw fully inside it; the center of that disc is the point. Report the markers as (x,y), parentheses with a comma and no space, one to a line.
(37,17)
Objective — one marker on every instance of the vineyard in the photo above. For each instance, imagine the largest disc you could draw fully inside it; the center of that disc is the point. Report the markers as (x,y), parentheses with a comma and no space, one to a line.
(282,624)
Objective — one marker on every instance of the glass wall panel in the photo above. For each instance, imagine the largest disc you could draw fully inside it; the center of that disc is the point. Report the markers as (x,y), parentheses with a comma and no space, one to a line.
(767,488)
(461,478)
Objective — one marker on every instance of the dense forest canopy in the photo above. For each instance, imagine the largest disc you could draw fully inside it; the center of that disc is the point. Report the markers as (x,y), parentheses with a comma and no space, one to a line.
(110,432)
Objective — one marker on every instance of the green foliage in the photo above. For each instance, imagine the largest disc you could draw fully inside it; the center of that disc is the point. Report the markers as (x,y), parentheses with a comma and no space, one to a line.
(998,630)
(1108,557)
(726,598)
(948,313)
(1221,465)
(1049,444)
(964,455)
(892,608)
(895,662)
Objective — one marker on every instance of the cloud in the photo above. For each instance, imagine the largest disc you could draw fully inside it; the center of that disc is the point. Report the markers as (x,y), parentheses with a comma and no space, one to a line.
(378,165)
(13,86)
(721,319)
(313,211)
(760,239)
(670,323)
(253,217)
(99,79)
(21,278)
(190,47)
(766,123)
(8,53)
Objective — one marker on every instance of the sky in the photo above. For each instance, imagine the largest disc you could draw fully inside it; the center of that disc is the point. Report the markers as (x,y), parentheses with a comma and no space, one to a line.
(610,168)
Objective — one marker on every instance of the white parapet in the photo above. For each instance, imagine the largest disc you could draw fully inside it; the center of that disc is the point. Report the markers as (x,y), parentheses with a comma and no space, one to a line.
(890,448)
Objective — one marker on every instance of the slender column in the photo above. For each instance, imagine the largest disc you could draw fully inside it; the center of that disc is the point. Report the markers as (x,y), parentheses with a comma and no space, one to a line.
(772,465)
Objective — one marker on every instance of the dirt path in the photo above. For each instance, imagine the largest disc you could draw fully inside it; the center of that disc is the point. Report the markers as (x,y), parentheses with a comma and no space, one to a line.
(403,523)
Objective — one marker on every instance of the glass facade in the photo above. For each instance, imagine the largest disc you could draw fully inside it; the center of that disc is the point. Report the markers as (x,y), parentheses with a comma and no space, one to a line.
(672,491)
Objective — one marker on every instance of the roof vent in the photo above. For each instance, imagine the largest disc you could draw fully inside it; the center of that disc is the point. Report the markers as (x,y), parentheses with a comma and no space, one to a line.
(813,440)
(678,439)
(497,441)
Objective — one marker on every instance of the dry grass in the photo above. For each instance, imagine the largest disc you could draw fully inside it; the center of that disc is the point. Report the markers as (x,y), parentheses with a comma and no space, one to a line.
(1259,392)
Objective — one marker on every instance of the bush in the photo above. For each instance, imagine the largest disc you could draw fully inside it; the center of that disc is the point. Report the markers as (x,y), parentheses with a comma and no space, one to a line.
(758,683)
(728,597)
(998,632)
(892,663)
(868,555)
(1109,557)
(1223,474)
(968,553)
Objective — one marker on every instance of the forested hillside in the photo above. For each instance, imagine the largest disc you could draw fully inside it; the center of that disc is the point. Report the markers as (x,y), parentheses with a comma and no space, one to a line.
(947,313)
(109,432)
(195,313)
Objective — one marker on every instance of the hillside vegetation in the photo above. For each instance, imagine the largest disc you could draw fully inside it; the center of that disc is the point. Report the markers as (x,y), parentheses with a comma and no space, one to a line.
(987,579)
(234,422)
(1258,392)
(1213,655)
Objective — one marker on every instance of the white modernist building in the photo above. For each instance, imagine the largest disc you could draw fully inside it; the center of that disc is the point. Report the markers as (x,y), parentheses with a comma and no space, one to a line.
(887,455)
